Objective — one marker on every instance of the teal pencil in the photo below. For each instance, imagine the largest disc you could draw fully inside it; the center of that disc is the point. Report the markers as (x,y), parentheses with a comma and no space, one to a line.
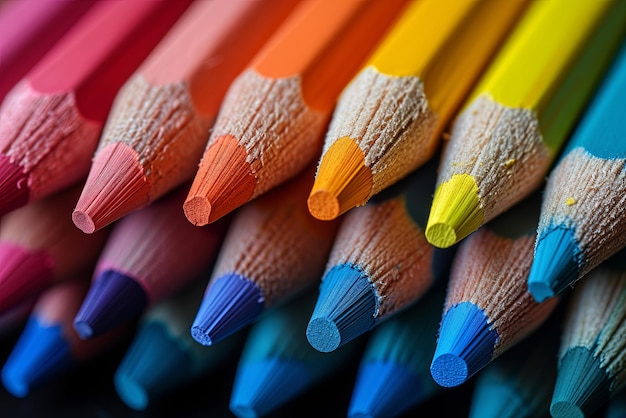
(163,356)
(278,364)
(488,308)
(583,219)
(380,263)
(592,357)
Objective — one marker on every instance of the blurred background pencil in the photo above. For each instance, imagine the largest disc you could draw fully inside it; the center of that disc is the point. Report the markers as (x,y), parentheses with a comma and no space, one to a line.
(273,250)
(150,255)
(270,124)
(488,308)
(51,120)
(592,357)
(504,141)
(583,219)
(29,29)
(40,246)
(158,127)
(389,119)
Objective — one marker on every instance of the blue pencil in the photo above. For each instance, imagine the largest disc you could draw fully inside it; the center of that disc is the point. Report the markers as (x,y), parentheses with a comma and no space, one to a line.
(277,363)
(380,263)
(488,308)
(592,357)
(163,356)
(394,372)
(583,219)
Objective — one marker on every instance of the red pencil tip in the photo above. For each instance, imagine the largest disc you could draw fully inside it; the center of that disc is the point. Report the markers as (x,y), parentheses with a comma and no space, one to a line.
(14,190)
(223,183)
(115,187)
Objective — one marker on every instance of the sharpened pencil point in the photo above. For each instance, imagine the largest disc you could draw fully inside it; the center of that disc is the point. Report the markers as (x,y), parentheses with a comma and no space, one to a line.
(582,385)
(465,345)
(556,264)
(14,190)
(223,183)
(344,310)
(39,354)
(112,300)
(115,187)
(456,211)
(343,181)
(230,303)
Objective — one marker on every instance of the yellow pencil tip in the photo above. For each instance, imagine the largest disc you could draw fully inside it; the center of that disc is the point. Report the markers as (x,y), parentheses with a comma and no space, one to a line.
(343,181)
(456,211)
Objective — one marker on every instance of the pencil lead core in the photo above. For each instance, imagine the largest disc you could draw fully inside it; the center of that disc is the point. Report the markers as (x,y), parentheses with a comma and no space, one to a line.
(456,211)
(14,190)
(343,181)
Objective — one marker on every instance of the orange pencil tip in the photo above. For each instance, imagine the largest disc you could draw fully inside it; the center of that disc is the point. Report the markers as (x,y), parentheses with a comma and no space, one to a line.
(223,183)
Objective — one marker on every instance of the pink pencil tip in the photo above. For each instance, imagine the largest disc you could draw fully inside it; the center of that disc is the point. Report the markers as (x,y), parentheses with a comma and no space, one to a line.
(14,190)
(83,222)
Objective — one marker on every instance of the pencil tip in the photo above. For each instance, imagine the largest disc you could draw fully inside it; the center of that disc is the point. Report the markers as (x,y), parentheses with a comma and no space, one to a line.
(40,353)
(556,264)
(14,189)
(155,362)
(112,300)
(23,273)
(344,310)
(115,187)
(230,303)
(465,345)
(343,181)
(455,213)
(582,385)
(224,182)
(262,386)
(384,389)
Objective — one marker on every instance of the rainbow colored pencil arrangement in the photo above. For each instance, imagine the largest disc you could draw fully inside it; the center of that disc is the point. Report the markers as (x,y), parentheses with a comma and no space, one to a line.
(164,117)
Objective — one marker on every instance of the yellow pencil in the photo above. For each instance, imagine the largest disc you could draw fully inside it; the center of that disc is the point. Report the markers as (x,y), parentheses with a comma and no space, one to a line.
(389,118)
(502,144)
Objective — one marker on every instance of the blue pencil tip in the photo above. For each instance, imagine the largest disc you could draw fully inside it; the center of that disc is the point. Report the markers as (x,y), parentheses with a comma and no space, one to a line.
(385,389)
(230,303)
(112,300)
(262,386)
(153,365)
(40,353)
(465,345)
(582,385)
(556,264)
(344,310)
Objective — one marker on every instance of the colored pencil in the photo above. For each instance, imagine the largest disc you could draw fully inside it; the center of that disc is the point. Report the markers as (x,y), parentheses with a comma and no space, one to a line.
(51,120)
(617,406)
(40,246)
(163,356)
(158,127)
(488,308)
(394,375)
(150,255)
(270,124)
(519,384)
(592,357)
(29,30)
(273,249)
(277,363)
(389,118)
(48,346)
(583,221)
(380,263)
(503,143)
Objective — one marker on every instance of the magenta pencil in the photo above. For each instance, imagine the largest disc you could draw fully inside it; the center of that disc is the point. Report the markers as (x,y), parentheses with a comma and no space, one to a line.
(29,29)
(151,254)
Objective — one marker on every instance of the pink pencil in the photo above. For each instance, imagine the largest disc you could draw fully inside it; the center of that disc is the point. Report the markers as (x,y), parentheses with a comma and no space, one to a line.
(51,120)
(29,29)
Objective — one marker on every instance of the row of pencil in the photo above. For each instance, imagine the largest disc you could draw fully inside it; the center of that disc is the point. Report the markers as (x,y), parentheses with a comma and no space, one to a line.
(265,77)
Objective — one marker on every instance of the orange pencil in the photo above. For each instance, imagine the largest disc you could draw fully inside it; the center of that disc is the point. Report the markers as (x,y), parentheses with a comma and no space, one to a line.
(270,124)
(158,127)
